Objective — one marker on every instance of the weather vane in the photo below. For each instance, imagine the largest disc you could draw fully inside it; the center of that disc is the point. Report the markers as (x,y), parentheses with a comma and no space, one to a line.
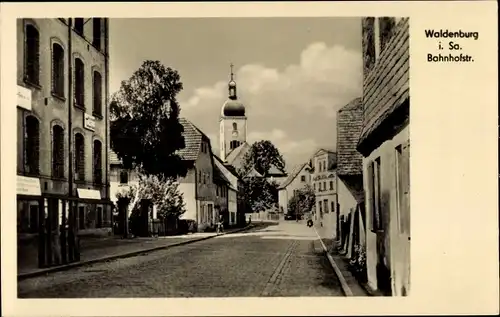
(231,65)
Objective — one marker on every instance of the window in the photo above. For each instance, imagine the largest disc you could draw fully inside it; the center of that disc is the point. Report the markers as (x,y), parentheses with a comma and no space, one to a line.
(124,177)
(79,83)
(333,207)
(325,203)
(80,157)
(97,162)
(314,186)
(32,145)
(320,206)
(58,70)
(303,178)
(324,185)
(235,126)
(204,178)
(374,195)
(199,176)
(234,144)
(97,94)
(32,55)
(331,185)
(79,22)
(96,38)
(57,152)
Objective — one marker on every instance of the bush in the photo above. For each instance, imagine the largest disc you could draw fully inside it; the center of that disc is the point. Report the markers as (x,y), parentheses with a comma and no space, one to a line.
(358,262)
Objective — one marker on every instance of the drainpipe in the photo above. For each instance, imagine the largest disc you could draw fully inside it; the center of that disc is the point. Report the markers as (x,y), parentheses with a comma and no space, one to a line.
(70,108)
(106,100)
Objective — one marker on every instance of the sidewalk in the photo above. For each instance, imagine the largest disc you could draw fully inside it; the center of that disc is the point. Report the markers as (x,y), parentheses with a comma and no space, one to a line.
(110,248)
(340,264)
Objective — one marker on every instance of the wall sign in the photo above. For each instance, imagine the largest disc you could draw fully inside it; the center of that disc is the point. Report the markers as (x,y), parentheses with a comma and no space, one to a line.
(28,186)
(24,97)
(89,122)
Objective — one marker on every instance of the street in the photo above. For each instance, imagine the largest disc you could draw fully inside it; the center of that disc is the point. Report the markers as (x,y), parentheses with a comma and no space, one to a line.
(284,259)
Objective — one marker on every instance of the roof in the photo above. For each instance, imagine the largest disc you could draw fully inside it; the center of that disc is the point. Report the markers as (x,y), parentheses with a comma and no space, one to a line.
(113,158)
(295,172)
(233,108)
(386,86)
(349,127)
(192,139)
(327,150)
(236,155)
(274,171)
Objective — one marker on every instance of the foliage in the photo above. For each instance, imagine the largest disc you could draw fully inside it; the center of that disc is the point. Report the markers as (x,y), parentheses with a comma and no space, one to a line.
(145,131)
(259,193)
(261,156)
(303,201)
(163,193)
(358,261)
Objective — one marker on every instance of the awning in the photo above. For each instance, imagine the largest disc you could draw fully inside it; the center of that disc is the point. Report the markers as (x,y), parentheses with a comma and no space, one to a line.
(88,193)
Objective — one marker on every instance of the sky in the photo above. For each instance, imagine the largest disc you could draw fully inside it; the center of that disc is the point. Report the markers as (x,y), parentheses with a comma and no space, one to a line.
(293,74)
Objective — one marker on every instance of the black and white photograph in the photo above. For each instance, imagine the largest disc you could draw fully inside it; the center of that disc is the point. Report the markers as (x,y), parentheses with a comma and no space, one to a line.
(213,157)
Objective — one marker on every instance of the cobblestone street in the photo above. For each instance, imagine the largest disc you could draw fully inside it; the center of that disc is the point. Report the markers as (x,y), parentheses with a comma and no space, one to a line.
(285,259)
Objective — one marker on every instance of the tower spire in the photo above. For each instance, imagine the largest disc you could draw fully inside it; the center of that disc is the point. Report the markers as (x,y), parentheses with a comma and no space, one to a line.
(232,85)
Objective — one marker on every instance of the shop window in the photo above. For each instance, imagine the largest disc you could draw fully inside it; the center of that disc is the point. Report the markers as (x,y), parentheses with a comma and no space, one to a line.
(58,70)
(80,157)
(79,83)
(81,217)
(97,162)
(32,146)
(32,55)
(57,152)
(99,217)
(97,94)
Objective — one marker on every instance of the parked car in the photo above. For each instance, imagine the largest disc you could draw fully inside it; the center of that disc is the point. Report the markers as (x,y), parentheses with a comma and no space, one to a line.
(292,217)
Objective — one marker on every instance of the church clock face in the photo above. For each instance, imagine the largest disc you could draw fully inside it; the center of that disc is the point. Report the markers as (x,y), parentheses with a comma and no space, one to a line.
(235,133)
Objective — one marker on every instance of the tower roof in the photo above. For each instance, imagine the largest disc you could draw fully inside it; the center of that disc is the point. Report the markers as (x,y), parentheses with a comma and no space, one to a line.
(232,107)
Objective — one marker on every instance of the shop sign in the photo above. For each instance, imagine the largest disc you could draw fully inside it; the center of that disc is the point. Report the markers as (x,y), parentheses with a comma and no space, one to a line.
(28,186)
(88,193)
(89,122)
(24,97)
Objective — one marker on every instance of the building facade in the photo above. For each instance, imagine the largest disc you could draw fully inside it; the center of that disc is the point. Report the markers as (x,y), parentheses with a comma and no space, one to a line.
(198,186)
(324,185)
(299,178)
(350,176)
(385,144)
(63,123)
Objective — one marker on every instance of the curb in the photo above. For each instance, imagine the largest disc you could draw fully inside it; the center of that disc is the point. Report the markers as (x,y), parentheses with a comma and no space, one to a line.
(345,288)
(65,267)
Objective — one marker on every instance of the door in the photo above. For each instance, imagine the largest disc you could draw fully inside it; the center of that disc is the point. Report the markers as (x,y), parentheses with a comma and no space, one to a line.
(403,172)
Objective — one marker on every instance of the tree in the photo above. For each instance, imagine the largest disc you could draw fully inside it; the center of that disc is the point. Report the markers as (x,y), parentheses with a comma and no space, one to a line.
(261,156)
(303,201)
(161,191)
(145,131)
(259,193)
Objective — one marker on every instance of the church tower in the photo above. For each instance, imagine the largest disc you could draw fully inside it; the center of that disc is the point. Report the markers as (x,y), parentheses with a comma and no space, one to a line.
(233,122)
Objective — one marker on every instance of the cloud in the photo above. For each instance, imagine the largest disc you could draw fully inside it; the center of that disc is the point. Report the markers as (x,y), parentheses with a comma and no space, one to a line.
(295,107)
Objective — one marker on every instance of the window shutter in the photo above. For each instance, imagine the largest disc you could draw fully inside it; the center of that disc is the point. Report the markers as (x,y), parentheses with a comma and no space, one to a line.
(370,195)
(405,178)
